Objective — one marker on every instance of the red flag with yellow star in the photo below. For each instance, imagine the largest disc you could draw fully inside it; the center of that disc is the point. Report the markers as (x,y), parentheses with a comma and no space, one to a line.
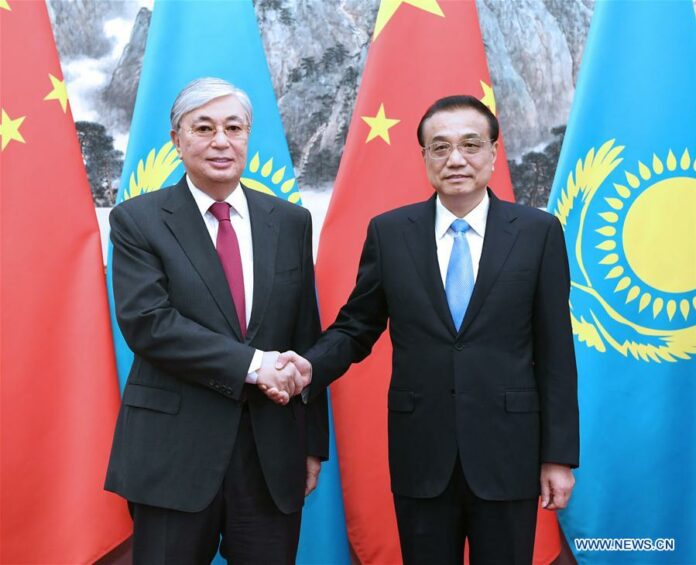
(57,376)
(421,50)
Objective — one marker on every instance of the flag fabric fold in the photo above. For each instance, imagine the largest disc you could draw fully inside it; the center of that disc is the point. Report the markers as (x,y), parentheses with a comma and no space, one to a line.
(59,394)
(625,192)
(188,40)
(421,51)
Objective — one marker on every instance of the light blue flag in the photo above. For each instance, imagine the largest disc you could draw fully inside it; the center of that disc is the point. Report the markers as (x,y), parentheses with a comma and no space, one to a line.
(323,536)
(625,192)
(187,40)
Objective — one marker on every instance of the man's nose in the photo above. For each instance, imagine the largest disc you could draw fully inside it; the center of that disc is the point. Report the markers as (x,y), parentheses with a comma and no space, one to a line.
(456,159)
(220,139)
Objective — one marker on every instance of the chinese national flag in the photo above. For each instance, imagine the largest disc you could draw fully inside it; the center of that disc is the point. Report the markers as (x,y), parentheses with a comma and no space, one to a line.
(421,50)
(58,385)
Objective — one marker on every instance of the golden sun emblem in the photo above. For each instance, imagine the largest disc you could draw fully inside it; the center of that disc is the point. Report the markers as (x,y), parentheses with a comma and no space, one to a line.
(153,172)
(658,237)
(263,175)
(633,253)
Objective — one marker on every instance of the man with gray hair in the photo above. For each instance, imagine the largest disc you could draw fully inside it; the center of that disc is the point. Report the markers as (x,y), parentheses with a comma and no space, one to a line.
(211,281)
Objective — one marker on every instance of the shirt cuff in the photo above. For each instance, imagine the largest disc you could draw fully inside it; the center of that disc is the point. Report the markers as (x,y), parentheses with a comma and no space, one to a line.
(254,366)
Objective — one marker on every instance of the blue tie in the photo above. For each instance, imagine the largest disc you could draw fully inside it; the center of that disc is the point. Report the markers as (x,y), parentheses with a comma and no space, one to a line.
(459,283)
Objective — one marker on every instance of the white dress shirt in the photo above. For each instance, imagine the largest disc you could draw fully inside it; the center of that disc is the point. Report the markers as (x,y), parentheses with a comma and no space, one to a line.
(239,218)
(474,236)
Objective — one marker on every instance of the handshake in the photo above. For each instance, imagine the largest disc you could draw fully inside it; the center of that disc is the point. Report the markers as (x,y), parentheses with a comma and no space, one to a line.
(283,375)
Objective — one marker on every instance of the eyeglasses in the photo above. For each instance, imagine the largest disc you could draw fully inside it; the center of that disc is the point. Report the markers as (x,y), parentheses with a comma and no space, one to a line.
(443,149)
(231,131)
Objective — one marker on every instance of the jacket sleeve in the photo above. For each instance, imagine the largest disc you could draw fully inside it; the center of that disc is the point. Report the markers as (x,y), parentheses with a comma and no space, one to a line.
(359,323)
(155,330)
(554,354)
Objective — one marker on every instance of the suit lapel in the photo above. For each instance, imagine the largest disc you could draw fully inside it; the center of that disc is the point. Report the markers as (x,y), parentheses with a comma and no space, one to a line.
(186,223)
(264,235)
(497,243)
(420,239)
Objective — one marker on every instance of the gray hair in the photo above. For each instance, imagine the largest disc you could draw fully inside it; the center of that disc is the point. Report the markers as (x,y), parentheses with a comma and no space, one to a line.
(200,91)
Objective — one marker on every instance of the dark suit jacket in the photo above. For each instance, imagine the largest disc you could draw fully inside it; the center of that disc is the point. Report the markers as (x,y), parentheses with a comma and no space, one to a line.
(181,405)
(501,392)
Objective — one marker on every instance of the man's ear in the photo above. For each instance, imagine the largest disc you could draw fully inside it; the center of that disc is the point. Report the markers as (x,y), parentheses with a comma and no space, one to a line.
(175,140)
(494,150)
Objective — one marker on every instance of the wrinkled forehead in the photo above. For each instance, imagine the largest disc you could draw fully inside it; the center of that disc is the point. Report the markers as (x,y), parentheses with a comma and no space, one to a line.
(456,124)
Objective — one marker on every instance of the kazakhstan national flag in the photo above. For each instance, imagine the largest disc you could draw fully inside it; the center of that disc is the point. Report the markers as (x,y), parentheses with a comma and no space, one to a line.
(187,40)
(625,191)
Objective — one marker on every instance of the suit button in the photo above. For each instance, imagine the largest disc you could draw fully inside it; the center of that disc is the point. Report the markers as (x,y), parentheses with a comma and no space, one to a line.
(459,346)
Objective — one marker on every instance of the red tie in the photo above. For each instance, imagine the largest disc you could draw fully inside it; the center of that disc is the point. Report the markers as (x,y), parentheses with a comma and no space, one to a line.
(227,247)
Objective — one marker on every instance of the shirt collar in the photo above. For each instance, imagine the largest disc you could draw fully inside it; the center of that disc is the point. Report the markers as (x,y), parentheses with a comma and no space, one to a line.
(476,218)
(237,199)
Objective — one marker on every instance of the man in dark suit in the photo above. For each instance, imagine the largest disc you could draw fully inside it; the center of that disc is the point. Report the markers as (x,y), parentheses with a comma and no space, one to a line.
(211,281)
(482,402)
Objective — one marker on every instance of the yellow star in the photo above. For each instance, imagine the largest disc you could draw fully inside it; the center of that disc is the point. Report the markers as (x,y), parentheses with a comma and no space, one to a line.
(59,92)
(488,97)
(9,129)
(388,8)
(379,125)
(5,6)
